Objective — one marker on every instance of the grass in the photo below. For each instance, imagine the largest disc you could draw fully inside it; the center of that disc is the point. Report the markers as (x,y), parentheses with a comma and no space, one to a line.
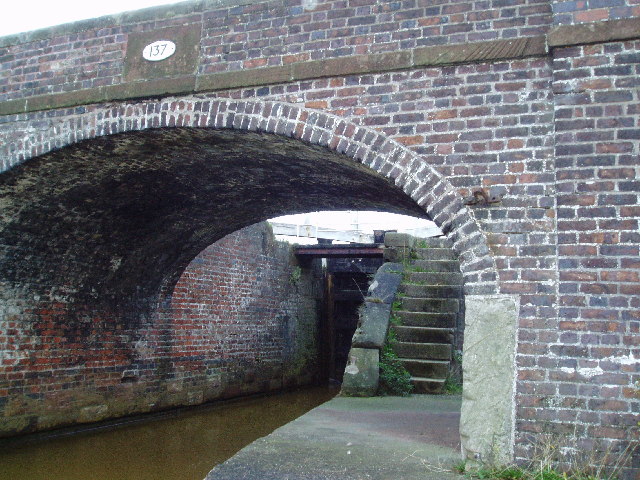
(594,464)
(453,382)
(417,269)
(452,385)
(516,473)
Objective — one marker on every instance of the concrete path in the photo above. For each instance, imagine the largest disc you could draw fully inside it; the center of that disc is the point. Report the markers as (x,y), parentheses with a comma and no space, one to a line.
(380,438)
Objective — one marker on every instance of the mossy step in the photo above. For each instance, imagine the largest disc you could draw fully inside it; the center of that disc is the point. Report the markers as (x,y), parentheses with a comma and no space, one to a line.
(423,334)
(438,369)
(399,240)
(426,319)
(434,266)
(423,351)
(427,385)
(433,242)
(435,278)
(431,291)
(435,254)
(436,305)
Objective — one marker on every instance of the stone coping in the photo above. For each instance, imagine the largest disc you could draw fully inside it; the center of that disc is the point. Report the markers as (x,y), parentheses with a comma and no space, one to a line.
(597,32)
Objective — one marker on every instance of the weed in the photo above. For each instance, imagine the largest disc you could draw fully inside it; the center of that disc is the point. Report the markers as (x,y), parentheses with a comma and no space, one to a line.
(296,274)
(598,462)
(453,382)
(460,467)
(394,378)
(517,473)
(418,269)
(506,473)
(549,455)
(452,385)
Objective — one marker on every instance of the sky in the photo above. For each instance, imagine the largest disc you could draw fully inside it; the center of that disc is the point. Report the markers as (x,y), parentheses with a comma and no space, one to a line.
(24,16)
(345,220)
(363,221)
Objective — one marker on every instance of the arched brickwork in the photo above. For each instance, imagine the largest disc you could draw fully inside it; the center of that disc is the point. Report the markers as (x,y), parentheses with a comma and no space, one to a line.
(117,260)
(424,185)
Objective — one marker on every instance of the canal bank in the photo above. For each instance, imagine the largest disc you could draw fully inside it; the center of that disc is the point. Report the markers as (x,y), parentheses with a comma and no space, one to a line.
(379,438)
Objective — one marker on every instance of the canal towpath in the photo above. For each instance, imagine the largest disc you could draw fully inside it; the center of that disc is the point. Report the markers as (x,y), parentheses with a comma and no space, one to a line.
(346,438)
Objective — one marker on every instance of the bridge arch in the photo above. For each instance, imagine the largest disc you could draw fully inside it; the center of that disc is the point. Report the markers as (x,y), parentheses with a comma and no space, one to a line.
(358,167)
(406,169)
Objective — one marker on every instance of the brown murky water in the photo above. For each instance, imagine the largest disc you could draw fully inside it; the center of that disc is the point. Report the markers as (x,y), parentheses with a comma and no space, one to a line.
(181,445)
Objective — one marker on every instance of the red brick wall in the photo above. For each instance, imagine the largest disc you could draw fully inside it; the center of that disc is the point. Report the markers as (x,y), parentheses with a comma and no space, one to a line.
(234,324)
(481,125)
(593,359)
(556,136)
(567,12)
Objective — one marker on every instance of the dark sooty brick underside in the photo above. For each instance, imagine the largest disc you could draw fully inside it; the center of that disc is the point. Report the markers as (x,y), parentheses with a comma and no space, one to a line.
(116,219)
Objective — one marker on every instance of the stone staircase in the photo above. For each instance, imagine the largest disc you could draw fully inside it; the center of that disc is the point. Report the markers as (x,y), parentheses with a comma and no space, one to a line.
(430,300)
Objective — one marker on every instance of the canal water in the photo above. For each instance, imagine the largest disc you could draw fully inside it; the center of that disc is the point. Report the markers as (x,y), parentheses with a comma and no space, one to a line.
(180,445)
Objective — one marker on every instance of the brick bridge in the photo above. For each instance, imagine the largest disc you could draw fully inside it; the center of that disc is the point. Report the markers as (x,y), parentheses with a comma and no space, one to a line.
(513,124)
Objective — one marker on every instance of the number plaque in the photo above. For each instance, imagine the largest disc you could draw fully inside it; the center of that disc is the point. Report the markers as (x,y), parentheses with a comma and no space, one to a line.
(156,51)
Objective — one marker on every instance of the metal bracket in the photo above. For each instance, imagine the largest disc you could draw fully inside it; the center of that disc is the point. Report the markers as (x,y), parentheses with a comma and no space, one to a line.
(485,196)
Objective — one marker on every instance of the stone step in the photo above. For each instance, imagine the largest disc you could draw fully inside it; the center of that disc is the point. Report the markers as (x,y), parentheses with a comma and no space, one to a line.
(436,305)
(433,242)
(431,291)
(423,334)
(427,368)
(435,266)
(434,254)
(423,351)
(435,278)
(399,240)
(427,385)
(426,319)
(401,254)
